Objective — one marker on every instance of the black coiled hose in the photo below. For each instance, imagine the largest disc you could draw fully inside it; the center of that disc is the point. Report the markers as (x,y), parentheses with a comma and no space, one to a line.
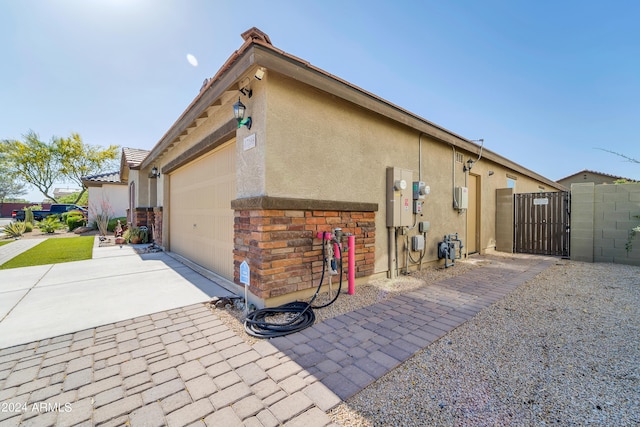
(302,315)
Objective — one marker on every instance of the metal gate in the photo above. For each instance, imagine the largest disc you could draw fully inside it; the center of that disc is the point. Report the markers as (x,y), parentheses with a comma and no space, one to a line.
(542,223)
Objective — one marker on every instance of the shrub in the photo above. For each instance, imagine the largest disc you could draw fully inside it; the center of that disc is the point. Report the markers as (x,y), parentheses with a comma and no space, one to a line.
(50,224)
(28,227)
(28,216)
(15,229)
(114,221)
(632,233)
(75,220)
(134,232)
(102,216)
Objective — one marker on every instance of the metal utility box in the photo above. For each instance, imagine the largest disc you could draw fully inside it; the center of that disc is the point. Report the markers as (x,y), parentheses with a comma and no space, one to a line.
(419,190)
(462,198)
(417,243)
(399,197)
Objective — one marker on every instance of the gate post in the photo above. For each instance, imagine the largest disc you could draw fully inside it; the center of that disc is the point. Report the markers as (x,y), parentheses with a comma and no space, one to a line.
(582,221)
(504,220)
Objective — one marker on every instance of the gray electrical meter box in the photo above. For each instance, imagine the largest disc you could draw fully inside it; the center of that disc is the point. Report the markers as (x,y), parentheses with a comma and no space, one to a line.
(399,197)
(419,190)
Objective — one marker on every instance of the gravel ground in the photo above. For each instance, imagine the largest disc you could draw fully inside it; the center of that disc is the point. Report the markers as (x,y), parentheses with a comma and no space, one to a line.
(563,349)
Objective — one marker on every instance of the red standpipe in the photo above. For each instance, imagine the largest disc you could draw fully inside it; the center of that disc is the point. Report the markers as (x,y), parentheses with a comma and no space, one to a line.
(351,241)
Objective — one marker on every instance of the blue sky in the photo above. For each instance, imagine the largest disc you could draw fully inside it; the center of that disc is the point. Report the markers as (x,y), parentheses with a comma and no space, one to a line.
(544,83)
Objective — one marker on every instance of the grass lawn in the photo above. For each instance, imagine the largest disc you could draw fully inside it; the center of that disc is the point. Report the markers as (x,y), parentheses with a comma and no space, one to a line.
(4,242)
(54,251)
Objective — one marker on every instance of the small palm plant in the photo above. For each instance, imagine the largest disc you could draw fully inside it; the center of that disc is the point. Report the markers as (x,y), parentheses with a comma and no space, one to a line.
(50,224)
(15,229)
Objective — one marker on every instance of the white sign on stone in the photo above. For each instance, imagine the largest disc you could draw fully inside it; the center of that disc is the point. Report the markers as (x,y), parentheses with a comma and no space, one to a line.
(249,142)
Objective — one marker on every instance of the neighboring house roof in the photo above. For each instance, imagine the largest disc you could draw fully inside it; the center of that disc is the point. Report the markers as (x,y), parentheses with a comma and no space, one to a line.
(59,192)
(263,54)
(103,178)
(602,174)
(131,159)
(133,156)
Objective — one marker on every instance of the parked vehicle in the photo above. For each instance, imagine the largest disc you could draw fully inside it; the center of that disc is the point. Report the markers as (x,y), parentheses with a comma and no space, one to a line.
(58,209)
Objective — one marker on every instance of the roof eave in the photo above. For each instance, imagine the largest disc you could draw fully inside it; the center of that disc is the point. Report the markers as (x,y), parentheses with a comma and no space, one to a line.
(258,52)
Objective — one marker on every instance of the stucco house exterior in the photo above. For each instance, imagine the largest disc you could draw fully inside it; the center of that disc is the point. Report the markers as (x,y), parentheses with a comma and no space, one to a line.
(106,191)
(320,153)
(586,176)
(113,191)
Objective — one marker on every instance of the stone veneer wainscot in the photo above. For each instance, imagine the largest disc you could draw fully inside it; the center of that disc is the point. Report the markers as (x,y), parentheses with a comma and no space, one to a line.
(281,247)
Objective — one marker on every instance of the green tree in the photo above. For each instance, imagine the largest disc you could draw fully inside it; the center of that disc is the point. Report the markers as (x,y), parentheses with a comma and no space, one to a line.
(42,164)
(10,186)
(33,161)
(73,198)
(78,159)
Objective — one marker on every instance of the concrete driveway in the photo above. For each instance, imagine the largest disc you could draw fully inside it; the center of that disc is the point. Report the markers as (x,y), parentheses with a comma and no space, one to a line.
(117,284)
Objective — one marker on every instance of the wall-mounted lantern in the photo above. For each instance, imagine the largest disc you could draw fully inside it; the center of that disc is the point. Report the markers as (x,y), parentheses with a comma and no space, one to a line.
(238,112)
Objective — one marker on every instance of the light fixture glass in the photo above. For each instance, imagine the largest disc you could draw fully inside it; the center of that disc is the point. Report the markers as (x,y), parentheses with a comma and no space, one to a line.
(238,112)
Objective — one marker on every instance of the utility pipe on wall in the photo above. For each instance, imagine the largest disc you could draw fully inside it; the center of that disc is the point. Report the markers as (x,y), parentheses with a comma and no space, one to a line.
(351,241)
(390,237)
(420,157)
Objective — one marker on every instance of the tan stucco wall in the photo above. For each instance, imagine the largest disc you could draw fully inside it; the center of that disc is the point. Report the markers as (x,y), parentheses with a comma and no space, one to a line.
(504,220)
(113,195)
(217,116)
(313,145)
(320,147)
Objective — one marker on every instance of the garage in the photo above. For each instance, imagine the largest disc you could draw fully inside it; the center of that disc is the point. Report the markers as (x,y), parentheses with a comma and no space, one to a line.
(201,218)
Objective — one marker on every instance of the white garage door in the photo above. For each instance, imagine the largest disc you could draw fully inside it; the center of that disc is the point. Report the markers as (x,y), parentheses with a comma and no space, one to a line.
(200,214)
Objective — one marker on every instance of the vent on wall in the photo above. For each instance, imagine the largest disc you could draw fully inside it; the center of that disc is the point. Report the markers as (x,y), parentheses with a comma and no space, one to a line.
(459,158)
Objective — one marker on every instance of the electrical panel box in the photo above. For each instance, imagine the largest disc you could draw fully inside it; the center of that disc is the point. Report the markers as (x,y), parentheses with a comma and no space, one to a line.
(461,198)
(417,243)
(399,197)
(417,206)
(419,190)
(424,226)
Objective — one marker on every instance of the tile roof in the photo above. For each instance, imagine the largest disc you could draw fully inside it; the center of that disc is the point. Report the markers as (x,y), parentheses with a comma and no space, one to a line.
(134,156)
(108,177)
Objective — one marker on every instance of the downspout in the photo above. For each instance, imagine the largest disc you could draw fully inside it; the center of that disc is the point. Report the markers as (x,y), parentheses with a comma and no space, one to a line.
(420,156)
(453,177)
(466,217)
(391,235)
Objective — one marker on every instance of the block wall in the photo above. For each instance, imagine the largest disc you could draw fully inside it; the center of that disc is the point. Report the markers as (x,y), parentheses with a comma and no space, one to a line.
(284,254)
(601,218)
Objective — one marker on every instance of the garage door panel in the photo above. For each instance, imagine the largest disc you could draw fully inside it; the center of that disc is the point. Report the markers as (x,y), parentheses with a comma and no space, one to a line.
(201,218)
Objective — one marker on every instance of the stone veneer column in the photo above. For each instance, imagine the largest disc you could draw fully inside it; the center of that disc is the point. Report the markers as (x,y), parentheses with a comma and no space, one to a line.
(283,252)
(157,225)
